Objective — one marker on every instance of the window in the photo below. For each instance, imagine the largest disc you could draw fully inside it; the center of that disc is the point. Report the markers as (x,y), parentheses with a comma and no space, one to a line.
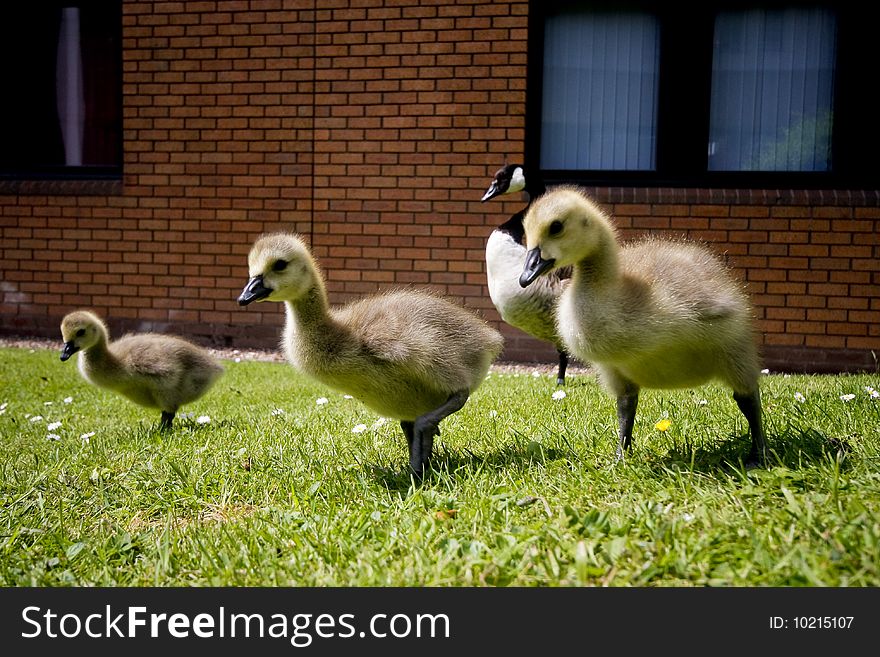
(600,91)
(772,89)
(61,113)
(739,94)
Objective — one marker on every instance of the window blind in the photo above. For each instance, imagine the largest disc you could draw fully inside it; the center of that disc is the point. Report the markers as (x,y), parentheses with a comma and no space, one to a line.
(600,91)
(772,89)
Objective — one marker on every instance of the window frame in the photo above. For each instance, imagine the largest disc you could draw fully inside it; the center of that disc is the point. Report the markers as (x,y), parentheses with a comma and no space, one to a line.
(685,71)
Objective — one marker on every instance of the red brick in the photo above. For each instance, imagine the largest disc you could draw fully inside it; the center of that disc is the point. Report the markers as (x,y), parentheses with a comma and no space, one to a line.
(825,341)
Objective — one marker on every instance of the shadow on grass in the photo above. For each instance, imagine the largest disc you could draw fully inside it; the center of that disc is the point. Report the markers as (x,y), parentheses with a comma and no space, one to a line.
(451,465)
(793,449)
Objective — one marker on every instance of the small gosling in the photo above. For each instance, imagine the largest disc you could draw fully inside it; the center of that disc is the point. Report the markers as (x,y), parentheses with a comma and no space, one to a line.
(654,313)
(406,354)
(156,371)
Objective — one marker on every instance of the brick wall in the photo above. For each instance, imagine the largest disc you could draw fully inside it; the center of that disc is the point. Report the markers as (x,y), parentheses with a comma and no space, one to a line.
(372,129)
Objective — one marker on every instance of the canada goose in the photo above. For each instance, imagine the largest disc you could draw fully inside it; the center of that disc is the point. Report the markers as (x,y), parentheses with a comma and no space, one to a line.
(531,310)
(406,354)
(157,371)
(653,313)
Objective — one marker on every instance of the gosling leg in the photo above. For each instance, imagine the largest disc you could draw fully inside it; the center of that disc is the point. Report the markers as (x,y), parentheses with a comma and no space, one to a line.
(563,364)
(413,443)
(167,418)
(750,405)
(426,427)
(626,418)
(407,427)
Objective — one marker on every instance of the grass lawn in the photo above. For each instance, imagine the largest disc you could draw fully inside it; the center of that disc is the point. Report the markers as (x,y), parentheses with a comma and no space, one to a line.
(274,480)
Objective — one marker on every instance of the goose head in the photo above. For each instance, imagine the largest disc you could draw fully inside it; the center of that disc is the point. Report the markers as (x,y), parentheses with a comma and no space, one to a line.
(80,330)
(280,268)
(508,180)
(563,227)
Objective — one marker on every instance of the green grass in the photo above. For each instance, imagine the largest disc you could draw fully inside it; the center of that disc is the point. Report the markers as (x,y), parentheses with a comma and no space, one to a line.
(524,489)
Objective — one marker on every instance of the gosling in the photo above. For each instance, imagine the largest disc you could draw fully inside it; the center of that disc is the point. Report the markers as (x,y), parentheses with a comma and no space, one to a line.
(654,313)
(406,354)
(532,310)
(156,371)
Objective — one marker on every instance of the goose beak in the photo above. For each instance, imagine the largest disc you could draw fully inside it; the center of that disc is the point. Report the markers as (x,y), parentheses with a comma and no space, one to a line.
(69,350)
(534,266)
(492,192)
(253,291)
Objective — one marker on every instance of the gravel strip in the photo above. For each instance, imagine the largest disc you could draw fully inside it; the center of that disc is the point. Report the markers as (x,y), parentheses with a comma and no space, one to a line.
(548,369)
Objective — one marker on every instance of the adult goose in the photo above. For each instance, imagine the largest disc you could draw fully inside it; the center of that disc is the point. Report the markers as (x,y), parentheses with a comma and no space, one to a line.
(532,310)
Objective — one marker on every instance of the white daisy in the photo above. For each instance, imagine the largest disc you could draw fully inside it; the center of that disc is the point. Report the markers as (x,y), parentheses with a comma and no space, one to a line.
(203,419)
(765,371)
(380,422)
(320,401)
(68,400)
(493,413)
(559,394)
(846,398)
(85,437)
(36,418)
(359,428)
(53,436)
(53,426)
(277,411)
(799,397)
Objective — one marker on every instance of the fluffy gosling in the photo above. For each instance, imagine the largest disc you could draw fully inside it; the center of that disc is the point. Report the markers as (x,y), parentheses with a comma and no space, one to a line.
(406,354)
(156,371)
(653,313)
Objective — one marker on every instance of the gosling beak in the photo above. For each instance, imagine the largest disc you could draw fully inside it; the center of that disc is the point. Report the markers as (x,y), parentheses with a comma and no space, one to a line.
(69,350)
(253,291)
(492,192)
(534,266)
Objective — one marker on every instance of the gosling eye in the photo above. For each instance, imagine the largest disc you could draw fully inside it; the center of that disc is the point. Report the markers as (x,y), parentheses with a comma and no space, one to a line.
(555,228)
(80,333)
(279,265)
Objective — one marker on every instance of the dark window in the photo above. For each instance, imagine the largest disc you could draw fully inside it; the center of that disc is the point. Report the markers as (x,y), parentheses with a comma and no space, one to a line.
(718,94)
(770,107)
(600,82)
(61,112)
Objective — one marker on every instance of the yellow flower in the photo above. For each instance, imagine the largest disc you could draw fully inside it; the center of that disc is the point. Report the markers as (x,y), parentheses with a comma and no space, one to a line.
(663,425)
